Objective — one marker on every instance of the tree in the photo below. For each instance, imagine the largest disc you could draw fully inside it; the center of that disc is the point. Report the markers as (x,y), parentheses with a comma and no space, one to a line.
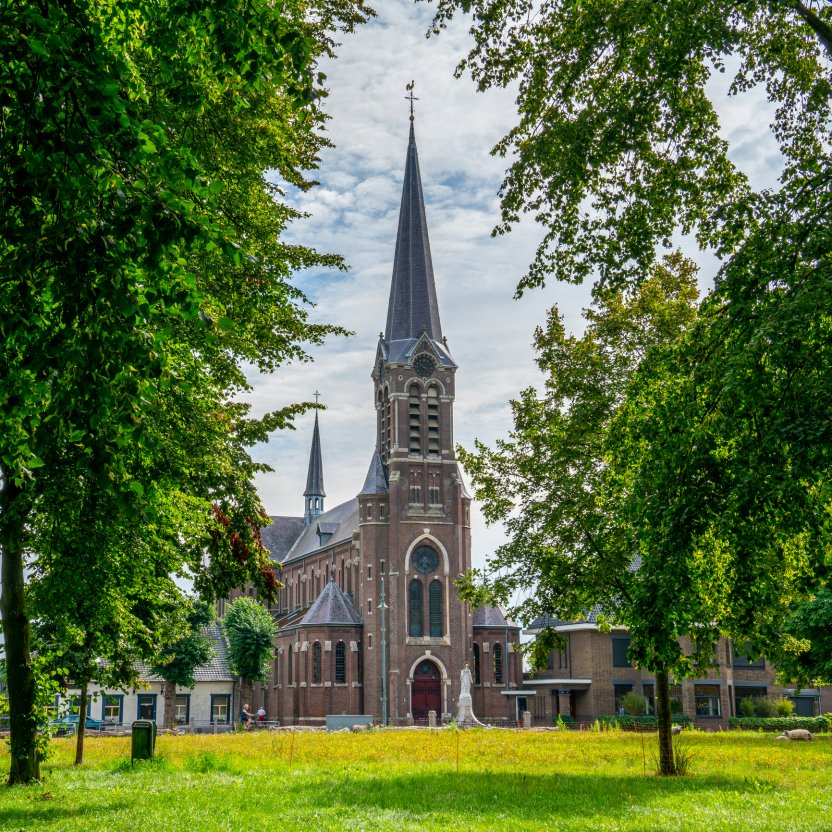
(617,143)
(101,593)
(718,472)
(139,252)
(548,482)
(179,659)
(251,632)
(806,657)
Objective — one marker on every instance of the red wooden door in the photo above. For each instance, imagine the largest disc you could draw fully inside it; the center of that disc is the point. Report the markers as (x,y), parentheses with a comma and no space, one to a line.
(425,691)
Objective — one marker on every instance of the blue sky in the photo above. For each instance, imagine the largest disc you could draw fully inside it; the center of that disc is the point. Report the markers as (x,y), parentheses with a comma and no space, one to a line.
(355,210)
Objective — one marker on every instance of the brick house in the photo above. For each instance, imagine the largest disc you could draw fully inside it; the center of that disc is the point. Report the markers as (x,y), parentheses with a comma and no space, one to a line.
(402,540)
(589,677)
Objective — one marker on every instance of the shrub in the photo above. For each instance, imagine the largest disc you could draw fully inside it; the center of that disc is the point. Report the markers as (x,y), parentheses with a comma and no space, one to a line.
(565,721)
(638,723)
(765,707)
(746,707)
(634,703)
(755,723)
(784,707)
(675,705)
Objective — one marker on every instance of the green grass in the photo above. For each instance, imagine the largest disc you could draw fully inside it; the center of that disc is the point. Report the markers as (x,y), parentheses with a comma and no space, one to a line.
(409,781)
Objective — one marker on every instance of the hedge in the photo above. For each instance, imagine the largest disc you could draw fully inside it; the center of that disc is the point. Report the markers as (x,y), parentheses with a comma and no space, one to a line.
(781,723)
(640,723)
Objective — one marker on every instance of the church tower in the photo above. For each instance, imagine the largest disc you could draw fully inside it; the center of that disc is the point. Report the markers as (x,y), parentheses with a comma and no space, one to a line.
(414,509)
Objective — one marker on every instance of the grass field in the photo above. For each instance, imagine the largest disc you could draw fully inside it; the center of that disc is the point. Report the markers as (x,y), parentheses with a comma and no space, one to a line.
(411,781)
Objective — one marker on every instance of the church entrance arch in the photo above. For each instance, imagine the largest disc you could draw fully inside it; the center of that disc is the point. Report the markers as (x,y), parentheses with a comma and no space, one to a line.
(425,691)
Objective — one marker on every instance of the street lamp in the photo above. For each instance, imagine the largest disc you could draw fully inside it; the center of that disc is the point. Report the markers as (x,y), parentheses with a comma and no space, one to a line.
(382,606)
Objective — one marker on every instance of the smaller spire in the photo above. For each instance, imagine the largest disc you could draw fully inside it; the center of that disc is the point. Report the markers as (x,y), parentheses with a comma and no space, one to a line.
(314,492)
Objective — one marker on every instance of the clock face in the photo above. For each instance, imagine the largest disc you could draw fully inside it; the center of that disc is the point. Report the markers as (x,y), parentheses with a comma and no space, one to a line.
(425,560)
(424,365)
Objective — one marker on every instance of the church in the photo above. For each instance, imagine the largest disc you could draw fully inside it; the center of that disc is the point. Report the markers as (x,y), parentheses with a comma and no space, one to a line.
(369,619)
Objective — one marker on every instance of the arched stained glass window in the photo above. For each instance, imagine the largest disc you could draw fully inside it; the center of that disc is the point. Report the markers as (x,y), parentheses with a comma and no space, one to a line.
(290,671)
(417,627)
(435,612)
(476,664)
(316,663)
(340,663)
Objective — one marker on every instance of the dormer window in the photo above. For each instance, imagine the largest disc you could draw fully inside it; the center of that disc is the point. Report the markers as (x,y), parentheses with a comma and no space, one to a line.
(325,532)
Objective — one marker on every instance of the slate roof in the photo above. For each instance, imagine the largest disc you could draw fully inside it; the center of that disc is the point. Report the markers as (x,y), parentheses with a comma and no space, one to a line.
(413,307)
(492,617)
(290,619)
(216,670)
(332,606)
(345,519)
(281,535)
(315,475)
(590,617)
(376,480)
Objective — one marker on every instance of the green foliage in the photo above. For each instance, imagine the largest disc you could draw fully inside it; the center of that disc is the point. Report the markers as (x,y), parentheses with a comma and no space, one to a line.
(141,272)
(250,631)
(545,481)
(814,724)
(765,707)
(634,703)
(177,660)
(784,707)
(747,707)
(807,655)
(617,143)
(646,722)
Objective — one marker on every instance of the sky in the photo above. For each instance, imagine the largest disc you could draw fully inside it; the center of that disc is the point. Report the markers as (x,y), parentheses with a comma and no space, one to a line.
(354,212)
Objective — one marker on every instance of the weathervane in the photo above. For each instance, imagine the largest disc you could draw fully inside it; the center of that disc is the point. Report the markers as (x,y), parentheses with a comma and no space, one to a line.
(411,98)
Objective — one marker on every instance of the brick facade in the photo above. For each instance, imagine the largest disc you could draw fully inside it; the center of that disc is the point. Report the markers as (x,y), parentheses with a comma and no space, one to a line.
(583,680)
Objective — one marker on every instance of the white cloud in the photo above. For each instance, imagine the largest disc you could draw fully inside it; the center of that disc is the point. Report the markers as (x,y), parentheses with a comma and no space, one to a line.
(355,213)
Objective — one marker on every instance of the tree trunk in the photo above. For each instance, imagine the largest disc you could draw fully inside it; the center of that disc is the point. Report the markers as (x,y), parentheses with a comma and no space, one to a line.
(25,764)
(170,705)
(667,763)
(82,724)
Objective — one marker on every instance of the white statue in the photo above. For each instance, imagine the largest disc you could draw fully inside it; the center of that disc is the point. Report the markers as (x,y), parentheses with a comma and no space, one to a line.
(465,681)
(465,714)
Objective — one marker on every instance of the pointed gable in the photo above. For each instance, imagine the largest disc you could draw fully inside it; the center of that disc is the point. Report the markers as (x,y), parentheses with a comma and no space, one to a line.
(376,479)
(332,606)
(492,617)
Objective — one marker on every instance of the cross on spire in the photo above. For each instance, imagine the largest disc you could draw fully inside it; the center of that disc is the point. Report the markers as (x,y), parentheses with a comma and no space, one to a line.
(411,98)
(317,395)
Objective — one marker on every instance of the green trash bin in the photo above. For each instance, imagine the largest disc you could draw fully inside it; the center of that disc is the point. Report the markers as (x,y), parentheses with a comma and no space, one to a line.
(144,740)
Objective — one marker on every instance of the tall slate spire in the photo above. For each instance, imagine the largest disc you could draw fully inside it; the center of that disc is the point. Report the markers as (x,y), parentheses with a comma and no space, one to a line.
(314,493)
(413,308)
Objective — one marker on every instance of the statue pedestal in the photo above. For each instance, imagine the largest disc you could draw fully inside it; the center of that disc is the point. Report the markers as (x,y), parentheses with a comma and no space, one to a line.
(465,711)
